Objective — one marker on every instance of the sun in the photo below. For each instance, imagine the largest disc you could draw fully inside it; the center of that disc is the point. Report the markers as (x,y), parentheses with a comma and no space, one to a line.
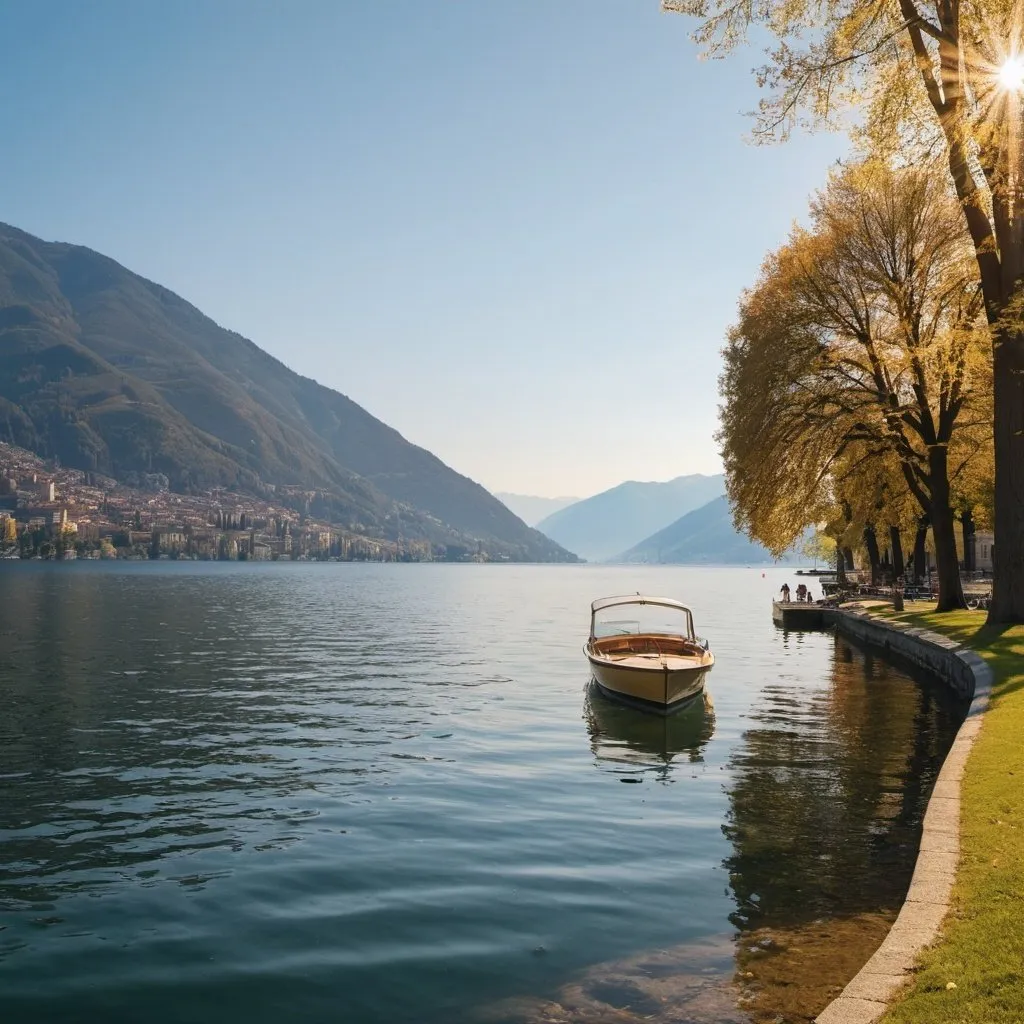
(1011,74)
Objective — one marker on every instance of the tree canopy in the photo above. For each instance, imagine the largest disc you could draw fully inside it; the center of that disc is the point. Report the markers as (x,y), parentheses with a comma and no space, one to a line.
(944,78)
(857,370)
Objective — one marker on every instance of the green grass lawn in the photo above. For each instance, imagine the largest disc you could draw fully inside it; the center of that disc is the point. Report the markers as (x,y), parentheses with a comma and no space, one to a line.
(982,948)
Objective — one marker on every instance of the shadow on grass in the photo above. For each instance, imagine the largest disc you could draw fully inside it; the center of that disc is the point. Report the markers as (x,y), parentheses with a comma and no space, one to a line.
(1001,646)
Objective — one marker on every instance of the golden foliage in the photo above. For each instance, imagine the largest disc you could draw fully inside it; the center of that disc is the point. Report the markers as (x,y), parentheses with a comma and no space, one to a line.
(925,80)
(857,374)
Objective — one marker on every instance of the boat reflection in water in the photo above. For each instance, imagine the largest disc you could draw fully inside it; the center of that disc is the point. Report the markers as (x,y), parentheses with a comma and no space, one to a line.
(627,736)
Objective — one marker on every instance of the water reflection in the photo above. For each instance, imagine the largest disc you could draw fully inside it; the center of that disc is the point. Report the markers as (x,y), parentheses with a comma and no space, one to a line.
(624,735)
(824,820)
(829,785)
(277,788)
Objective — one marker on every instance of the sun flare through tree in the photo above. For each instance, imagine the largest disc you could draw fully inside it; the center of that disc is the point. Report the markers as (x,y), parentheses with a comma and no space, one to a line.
(925,80)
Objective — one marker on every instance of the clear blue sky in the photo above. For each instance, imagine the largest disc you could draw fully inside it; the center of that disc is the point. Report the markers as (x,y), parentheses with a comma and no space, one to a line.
(514,231)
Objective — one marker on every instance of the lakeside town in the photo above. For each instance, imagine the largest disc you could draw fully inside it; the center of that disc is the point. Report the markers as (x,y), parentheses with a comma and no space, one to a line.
(50,512)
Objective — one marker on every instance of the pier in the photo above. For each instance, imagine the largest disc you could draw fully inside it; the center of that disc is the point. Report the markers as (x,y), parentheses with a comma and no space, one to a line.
(800,615)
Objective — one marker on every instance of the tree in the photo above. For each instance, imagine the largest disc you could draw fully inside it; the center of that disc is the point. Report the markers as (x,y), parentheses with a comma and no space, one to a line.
(940,74)
(875,506)
(856,369)
(820,547)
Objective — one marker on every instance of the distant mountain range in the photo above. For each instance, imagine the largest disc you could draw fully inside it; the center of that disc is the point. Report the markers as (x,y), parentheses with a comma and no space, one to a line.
(609,523)
(705,535)
(531,508)
(109,372)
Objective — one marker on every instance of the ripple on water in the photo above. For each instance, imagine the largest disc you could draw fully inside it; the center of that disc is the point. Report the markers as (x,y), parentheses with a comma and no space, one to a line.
(383,793)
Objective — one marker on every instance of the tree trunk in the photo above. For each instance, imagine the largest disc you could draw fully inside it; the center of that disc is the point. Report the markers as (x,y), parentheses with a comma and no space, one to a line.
(947,562)
(920,554)
(871,543)
(896,545)
(970,552)
(1008,425)
(848,555)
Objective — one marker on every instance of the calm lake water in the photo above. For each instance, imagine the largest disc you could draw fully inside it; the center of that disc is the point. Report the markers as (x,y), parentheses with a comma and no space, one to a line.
(385,793)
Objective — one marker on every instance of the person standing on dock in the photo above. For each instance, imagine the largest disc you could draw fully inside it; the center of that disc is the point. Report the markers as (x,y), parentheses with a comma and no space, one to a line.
(785,592)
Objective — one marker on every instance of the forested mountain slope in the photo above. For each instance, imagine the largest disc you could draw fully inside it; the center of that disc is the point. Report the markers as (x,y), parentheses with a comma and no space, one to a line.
(110,372)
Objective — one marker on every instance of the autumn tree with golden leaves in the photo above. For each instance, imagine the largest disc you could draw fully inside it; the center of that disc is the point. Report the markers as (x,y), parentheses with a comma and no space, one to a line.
(944,76)
(858,368)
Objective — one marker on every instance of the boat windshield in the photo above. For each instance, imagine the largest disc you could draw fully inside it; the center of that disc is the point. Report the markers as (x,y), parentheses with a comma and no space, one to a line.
(645,617)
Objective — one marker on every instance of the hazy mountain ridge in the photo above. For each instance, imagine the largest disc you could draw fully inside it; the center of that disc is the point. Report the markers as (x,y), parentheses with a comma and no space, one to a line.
(705,535)
(603,526)
(532,508)
(110,372)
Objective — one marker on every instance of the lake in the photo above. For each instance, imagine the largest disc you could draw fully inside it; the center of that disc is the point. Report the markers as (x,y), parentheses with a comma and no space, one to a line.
(385,793)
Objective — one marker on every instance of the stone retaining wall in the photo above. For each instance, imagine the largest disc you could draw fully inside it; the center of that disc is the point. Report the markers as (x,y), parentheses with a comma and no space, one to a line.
(933,652)
(868,995)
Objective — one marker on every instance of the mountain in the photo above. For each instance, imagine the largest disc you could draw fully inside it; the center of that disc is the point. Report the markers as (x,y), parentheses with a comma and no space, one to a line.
(530,508)
(601,527)
(110,372)
(705,535)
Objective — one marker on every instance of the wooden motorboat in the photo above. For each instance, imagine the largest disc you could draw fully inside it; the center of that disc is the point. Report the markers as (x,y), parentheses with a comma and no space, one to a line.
(644,651)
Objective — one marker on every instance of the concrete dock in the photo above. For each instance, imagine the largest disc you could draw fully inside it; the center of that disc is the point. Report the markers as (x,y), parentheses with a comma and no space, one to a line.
(799,615)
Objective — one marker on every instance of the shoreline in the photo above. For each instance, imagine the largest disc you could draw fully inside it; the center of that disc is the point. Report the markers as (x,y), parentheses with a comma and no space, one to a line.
(884,978)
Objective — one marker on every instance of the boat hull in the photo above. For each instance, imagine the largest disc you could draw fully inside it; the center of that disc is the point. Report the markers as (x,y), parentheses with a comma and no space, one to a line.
(658,688)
